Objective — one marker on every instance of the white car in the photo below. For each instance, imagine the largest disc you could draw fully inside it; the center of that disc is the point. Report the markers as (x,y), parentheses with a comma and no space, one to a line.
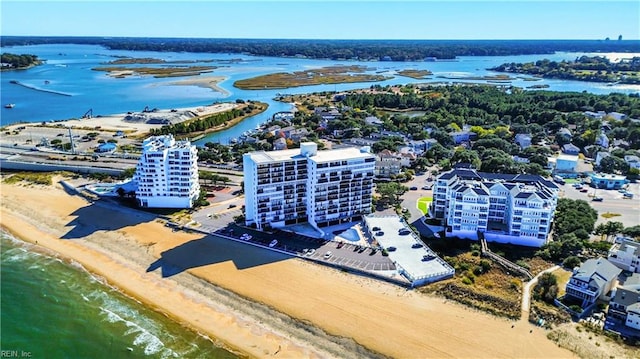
(311,252)
(273,243)
(327,255)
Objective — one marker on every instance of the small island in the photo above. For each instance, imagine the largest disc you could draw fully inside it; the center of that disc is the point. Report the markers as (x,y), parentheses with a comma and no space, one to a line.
(584,68)
(325,75)
(157,72)
(18,62)
(415,74)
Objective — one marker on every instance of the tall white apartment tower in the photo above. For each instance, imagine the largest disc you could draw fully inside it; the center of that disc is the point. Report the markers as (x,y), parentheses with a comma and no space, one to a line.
(323,188)
(167,173)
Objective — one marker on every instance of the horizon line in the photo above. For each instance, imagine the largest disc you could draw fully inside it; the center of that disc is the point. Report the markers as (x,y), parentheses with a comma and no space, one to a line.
(310,39)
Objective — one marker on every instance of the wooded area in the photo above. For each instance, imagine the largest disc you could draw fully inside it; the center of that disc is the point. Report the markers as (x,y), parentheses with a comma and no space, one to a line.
(378,50)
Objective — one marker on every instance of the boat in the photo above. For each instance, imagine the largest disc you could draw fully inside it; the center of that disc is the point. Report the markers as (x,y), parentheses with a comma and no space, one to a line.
(10,105)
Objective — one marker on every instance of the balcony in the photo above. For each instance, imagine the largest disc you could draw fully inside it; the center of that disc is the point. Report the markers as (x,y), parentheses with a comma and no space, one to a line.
(589,291)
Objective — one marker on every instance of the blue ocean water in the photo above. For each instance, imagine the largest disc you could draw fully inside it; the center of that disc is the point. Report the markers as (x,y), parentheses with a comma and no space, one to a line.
(68,69)
(55,309)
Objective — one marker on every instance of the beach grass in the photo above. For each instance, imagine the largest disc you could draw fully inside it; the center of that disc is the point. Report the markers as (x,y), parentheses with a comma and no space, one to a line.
(44,178)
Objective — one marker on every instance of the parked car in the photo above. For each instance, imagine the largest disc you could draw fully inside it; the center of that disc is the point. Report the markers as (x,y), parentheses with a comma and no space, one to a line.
(273,243)
(597,199)
(414,188)
(584,190)
(327,255)
(404,231)
(232,206)
(391,249)
(417,245)
(340,244)
(310,252)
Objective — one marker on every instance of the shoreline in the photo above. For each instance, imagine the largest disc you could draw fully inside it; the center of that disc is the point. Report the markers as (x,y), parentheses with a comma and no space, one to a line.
(341,314)
(209,82)
(191,301)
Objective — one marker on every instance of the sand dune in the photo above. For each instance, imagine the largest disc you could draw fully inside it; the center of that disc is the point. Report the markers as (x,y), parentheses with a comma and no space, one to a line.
(328,313)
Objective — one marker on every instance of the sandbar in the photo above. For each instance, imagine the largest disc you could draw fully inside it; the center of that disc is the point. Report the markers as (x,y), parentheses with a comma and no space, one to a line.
(339,313)
(210,82)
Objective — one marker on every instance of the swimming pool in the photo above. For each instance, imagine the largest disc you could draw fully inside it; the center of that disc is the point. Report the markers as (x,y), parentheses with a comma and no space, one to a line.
(350,235)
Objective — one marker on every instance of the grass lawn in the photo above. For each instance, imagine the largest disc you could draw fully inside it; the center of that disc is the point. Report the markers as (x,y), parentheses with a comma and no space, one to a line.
(423,204)
(563,276)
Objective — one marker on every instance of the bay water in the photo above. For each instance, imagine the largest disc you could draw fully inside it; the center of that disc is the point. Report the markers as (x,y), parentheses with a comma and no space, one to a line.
(53,308)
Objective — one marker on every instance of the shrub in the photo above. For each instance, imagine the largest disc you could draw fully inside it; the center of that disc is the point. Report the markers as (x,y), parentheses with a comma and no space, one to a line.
(467,281)
(571,262)
(475,253)
(576,308)
(486,265)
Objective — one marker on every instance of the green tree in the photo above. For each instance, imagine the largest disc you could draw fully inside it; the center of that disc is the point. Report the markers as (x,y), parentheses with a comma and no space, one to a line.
(609,229)
(547,288)
(633,231)
(390,192)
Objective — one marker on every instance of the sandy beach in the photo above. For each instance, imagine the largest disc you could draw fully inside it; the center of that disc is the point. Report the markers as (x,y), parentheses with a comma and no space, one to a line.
(210,82)
(193,278)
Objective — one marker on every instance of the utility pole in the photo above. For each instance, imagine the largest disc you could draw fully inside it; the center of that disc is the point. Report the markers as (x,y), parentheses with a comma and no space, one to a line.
(73,150)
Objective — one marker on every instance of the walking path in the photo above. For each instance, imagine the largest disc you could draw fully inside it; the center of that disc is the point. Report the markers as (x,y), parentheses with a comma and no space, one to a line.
(526,292)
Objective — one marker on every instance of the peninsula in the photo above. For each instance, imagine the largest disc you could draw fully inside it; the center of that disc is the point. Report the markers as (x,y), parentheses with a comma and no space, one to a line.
(584,68)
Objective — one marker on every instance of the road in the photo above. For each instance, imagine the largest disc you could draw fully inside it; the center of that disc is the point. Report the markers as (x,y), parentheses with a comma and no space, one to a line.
(526,293)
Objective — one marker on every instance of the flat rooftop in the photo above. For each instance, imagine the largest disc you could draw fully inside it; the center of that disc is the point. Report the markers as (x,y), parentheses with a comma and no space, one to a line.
(263,157)
(411,260)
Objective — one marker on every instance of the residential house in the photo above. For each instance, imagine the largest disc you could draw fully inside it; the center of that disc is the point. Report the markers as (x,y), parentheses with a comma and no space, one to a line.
(617,116)
(387,164)
(519,159)
(632,161)
(602,140)
(570,149)
(566,163)
(407,158)
(328,114)
(462,136)
(374,121)
(625,304)
(421,146)
(596,115)
(523,140)
(592,281)
(565,133)
(601,156)
(625,254)
(280,144)
(619,143)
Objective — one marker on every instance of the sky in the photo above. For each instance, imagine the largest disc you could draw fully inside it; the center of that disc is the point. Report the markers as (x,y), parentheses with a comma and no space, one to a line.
(329,19)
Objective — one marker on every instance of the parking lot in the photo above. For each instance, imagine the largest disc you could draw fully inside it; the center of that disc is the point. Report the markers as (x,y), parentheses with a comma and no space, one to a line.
(337,253)
(613,201)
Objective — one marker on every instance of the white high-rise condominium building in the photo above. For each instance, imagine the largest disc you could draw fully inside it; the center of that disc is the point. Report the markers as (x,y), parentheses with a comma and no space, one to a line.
(167,173)
(323,188)
(505,208)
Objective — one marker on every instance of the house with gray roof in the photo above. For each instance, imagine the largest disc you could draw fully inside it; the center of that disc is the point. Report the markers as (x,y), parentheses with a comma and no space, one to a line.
(570,149)
(625,304)
(625,254)
(593,281)
(523,140)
